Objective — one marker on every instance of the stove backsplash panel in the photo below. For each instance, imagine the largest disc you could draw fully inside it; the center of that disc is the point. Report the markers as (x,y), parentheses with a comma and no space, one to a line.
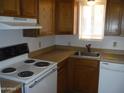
(13,51)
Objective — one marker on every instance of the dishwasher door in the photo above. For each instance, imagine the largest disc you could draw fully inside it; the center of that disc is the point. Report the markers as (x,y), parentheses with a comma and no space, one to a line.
(111,78)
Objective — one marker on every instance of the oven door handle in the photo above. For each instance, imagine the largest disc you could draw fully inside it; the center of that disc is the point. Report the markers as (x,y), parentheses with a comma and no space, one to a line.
(39,80)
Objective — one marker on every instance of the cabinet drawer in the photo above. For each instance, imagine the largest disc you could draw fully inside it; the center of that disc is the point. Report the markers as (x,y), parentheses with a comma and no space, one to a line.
(85,62)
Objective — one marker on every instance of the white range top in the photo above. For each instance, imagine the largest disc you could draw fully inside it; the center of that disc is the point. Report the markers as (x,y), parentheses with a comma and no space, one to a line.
(21,66)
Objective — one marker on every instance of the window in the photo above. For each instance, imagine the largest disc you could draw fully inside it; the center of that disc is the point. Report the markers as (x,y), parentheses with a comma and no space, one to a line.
(91,22)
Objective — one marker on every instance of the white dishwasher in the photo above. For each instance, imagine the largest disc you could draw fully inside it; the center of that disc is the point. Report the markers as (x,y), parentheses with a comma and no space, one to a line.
(111,78)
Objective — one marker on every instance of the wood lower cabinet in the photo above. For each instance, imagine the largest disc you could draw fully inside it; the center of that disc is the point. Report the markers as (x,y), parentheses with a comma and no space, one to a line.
(9,8)
(19,90)
(62,77)
(83,75)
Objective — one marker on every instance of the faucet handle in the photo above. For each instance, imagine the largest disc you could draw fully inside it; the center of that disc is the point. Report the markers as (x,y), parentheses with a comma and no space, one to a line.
(88,46)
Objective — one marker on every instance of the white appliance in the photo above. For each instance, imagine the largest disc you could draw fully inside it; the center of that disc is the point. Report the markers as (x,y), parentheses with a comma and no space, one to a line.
(36,76)
(47,83)
(7,23)
(111,78)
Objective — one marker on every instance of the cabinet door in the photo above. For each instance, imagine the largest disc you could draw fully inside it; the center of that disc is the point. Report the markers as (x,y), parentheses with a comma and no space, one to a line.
(64,16)
(29,8)
(85,76)
(70,76)
(46,16)
(113,15)
(62,80)
(122,20)
(9,8)
(18,91)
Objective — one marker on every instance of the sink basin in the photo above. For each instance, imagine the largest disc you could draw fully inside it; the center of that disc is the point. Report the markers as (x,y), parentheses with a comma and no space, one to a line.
(89,54)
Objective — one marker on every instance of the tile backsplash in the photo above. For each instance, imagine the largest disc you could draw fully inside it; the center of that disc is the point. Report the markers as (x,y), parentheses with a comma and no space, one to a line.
(12,37)
(109,42)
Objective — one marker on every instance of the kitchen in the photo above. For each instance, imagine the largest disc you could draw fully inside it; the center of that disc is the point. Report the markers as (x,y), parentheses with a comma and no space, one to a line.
(57,40)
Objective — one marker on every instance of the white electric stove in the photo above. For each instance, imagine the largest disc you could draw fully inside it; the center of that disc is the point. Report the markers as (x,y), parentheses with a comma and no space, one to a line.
(35,75)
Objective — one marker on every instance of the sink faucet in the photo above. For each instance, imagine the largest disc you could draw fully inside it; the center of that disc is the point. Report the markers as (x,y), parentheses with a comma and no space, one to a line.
(88,46)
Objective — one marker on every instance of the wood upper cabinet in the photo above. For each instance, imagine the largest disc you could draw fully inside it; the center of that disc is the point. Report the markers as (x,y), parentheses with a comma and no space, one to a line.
(122,20)
(46,20)
(29,8)
(57,17)
(114,23)
(19,8)
(46,17)
(85,75)
(9,7)
(64,16)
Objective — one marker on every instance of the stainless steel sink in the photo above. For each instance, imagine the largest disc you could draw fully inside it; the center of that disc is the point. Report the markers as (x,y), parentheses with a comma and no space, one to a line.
(88,54)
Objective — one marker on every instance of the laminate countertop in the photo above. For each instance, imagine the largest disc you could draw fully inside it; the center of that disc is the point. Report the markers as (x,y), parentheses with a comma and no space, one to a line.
(114,58)
(55,55)
(58,55)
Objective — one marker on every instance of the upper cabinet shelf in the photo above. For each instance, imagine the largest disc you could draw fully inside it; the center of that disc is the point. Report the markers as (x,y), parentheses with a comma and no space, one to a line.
(19,8)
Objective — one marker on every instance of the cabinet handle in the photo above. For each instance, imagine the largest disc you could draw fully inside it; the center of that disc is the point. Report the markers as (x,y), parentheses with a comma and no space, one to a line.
(105,63)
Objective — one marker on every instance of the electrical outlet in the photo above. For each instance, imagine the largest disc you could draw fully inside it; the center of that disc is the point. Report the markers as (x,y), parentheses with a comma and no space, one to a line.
(69,43)
(115,44)
(40,44)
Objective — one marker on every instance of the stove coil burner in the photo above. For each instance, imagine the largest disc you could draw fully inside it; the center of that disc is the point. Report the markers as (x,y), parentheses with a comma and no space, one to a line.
(29,61)
(8,70)
(42,64)
(25,74)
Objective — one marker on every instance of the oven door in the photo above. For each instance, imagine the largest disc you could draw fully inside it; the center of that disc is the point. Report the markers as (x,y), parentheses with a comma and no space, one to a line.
(44,84)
